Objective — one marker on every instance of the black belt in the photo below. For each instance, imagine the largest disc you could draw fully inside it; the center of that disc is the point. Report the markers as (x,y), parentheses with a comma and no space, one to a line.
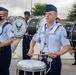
(44,58)
(28,36)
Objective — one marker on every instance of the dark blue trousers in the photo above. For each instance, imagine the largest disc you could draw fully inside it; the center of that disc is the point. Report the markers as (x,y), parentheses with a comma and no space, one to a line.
(55,67)
(5,59)
(25,47)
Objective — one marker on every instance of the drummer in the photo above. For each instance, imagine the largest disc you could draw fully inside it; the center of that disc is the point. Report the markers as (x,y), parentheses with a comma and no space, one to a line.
(6,38)
(54,42)
(26,38)
(57,20)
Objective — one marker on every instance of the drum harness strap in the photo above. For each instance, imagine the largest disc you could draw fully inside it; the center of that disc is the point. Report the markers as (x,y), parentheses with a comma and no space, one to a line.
(1,49)
(49,60)
(5,24)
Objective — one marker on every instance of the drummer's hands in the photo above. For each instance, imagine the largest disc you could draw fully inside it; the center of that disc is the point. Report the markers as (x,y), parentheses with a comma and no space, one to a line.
(52,55)
(30,52)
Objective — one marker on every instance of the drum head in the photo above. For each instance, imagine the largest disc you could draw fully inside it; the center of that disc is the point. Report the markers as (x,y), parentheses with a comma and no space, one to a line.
(19,25)
(31,64)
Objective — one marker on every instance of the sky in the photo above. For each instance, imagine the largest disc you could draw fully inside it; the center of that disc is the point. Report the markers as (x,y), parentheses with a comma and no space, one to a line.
(17,7)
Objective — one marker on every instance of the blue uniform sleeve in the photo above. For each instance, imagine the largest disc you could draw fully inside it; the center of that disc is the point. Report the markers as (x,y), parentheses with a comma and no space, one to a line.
(64,39)
(36,37)
(10,31)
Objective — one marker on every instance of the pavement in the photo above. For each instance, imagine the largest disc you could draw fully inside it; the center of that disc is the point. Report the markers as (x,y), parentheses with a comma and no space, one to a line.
(67,67)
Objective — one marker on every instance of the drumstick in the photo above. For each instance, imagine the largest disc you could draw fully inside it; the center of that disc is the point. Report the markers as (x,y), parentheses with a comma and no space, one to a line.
(40,54)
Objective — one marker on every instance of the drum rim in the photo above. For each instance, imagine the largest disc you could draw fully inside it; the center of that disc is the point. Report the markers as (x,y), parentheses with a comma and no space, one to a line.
(33,67)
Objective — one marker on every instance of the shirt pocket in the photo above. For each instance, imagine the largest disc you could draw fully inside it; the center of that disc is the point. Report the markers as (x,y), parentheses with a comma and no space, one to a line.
(54,39)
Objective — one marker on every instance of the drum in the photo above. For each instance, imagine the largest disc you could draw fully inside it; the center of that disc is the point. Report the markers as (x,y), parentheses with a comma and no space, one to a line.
(35,23)
(71,31)
(19,25)
(73,39)
(69,28)
(31,66)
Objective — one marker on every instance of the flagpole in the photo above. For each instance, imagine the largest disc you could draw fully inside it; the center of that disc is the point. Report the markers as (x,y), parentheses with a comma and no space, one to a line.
(31,4)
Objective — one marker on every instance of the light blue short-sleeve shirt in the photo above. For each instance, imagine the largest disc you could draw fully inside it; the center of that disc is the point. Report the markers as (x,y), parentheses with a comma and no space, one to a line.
(55,41)
(8,32)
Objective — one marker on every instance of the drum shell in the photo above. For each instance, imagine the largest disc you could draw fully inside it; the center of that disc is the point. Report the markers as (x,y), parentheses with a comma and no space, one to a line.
(32,28)
(69,28)
(33,25)
(71,32)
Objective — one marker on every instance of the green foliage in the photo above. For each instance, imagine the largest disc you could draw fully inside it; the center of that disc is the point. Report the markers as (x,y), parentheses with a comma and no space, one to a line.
(72,14)
(38,9)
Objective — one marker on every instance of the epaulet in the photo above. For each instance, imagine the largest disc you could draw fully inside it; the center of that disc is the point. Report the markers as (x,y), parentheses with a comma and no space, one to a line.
(6,23)
(43,28)
(55,28)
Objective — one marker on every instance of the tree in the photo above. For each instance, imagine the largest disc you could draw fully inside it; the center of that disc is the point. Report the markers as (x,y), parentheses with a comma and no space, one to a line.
(72,14)
(38,9)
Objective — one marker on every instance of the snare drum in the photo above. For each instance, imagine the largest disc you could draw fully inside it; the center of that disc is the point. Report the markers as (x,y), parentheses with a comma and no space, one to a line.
(31,66)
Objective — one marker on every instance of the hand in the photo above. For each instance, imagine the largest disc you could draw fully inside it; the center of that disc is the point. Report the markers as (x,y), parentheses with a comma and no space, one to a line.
(30,52)
(53,55)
